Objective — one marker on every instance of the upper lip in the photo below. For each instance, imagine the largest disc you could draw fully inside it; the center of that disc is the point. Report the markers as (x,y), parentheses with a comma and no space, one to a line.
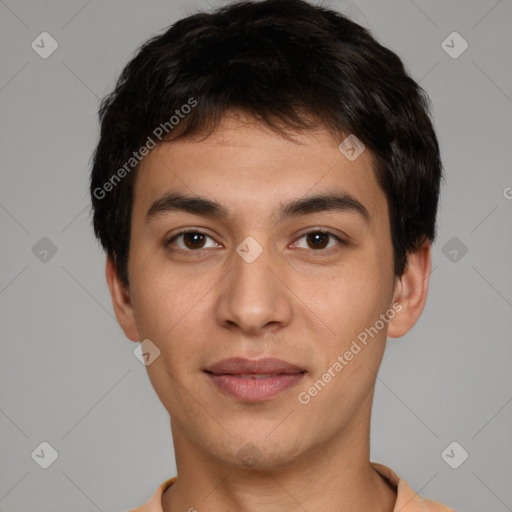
(242,366)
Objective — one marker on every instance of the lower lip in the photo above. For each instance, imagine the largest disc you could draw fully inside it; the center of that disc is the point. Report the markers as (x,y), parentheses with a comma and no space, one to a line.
(255,390)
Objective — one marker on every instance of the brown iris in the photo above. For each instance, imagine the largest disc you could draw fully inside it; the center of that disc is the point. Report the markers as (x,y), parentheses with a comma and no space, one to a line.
(195,240)
(318,239)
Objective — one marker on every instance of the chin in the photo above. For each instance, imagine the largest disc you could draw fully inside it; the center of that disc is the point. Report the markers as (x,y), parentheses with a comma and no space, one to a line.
(261,454)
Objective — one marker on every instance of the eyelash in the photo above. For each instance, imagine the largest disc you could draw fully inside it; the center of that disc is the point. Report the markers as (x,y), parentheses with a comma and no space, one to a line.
(196,231)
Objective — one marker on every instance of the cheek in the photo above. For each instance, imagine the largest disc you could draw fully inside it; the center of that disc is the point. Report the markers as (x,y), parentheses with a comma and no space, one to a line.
(173,310)
(345,300)
(162,298)
(166,312)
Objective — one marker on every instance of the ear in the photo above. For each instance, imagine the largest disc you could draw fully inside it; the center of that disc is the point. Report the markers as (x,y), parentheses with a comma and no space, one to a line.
(121,301)
(411,291)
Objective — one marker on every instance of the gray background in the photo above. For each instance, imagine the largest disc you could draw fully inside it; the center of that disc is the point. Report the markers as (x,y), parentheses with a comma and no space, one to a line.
(69,377)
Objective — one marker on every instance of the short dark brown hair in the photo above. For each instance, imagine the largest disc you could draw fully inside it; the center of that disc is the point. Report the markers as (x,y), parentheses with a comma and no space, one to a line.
(289,64)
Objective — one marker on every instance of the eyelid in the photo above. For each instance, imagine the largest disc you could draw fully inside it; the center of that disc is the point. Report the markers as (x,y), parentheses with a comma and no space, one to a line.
(336,233)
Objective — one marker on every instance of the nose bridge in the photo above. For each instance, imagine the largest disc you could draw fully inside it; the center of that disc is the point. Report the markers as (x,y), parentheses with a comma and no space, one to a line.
(253,297)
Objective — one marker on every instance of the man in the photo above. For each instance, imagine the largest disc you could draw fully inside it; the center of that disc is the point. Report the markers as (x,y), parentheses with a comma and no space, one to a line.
(266,187)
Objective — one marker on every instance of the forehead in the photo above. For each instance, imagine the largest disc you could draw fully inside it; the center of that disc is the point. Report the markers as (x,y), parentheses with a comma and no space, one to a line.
(246,166)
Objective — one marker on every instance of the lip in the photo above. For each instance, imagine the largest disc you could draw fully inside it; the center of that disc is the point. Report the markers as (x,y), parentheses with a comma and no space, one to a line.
(254,380)
(240,366)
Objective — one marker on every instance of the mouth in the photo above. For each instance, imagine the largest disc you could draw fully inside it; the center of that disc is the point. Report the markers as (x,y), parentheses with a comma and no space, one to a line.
(254,380)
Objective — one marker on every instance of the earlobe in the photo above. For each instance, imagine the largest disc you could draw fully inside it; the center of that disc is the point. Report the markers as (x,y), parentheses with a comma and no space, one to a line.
(121,301)
(411,291)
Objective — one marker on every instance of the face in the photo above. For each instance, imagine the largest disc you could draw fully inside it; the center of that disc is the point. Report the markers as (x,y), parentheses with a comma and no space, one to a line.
(286,256)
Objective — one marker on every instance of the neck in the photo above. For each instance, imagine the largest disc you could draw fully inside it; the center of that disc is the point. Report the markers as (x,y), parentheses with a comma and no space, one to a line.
(336,472)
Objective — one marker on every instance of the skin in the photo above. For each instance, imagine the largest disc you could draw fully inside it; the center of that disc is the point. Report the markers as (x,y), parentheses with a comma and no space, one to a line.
(294,302)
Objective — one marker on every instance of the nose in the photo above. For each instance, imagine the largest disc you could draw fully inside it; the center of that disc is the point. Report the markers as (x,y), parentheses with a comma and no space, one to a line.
(254,297)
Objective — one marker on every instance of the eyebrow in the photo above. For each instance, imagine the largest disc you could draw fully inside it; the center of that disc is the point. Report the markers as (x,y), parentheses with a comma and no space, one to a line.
(339,201)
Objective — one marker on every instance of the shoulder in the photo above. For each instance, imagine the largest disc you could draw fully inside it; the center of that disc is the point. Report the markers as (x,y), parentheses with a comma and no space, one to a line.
(407,500)
(155,503)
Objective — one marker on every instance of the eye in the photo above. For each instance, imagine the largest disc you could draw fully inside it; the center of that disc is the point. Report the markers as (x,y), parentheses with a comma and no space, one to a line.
(318,240)
(194,240)
(190,241)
